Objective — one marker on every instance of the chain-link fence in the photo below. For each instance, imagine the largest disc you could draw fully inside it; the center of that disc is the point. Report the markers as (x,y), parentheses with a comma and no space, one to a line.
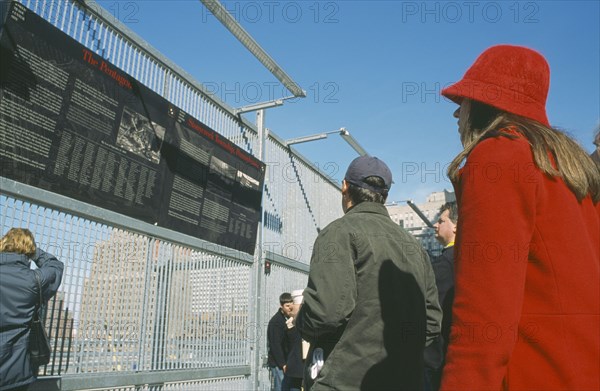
(143,307)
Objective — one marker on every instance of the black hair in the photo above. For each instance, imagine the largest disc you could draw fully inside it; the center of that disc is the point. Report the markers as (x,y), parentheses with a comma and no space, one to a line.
(285,298)
(358,194)
(452,211)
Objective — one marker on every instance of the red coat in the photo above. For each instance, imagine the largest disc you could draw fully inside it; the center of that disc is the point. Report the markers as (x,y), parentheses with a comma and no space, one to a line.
(527,304)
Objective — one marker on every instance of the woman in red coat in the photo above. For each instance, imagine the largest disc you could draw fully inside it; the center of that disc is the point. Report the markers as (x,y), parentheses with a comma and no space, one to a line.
(527,305)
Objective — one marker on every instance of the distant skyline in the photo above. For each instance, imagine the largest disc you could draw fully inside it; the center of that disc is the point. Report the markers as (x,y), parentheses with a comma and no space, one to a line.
(376,68)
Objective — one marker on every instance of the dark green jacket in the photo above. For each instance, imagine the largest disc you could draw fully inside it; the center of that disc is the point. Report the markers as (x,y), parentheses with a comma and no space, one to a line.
(371,303)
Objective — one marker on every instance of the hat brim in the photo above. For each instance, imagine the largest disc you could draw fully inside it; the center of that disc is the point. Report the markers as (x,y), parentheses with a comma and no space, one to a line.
(498,97)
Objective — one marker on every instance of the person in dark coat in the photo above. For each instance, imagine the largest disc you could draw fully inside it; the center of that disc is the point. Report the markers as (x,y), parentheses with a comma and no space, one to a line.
(19,294)
(277,340)
(294,371)
(443,268)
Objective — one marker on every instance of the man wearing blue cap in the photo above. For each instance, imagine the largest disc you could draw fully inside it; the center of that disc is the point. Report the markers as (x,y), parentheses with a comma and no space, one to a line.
(371,302)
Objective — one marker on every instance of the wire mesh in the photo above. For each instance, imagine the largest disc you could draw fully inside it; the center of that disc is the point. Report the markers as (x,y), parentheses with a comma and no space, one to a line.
(130,302)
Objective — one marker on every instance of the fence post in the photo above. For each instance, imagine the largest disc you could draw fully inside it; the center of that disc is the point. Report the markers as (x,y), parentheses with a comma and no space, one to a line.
(259,256)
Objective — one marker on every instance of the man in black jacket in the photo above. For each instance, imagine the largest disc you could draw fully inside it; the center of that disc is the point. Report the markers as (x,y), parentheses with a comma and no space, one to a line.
(443,268)
(277,340)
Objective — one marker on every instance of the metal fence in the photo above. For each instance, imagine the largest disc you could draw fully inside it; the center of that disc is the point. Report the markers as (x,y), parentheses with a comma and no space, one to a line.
(145,308)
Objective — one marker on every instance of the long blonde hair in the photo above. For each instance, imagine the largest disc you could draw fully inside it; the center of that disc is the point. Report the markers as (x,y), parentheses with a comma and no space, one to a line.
(554,153)
(18,240)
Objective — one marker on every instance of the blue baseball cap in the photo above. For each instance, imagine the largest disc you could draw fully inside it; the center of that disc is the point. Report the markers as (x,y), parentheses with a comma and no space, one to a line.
(365,166)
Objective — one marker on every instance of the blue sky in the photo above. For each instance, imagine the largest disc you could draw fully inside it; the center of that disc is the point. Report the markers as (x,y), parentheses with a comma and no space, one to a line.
(376,67)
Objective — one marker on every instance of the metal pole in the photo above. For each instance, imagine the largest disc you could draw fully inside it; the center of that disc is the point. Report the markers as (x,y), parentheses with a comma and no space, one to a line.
(259,256)
(419,213)
(221,13)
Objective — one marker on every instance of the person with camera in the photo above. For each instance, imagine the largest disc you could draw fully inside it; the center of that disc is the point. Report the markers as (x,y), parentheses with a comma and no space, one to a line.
(19,301)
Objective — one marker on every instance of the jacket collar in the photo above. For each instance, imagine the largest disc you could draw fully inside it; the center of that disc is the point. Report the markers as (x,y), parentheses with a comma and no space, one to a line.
(280,311)
(369,207)
(10,258)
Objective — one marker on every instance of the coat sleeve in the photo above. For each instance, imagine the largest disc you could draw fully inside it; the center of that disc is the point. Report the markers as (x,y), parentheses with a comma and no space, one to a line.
(330,296)
(433,308)
(51,272)
(444,279)
(497,208)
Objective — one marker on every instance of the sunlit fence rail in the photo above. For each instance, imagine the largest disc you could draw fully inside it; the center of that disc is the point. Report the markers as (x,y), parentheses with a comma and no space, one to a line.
(146,308)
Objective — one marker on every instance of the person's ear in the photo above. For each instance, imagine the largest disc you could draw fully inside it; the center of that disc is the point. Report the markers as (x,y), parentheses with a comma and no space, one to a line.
(344,186)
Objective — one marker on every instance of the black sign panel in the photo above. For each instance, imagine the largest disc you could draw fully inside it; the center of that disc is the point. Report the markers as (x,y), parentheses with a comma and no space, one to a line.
(73,123)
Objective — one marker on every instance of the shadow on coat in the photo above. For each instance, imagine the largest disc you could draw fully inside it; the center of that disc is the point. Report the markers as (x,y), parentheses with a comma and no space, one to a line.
(404,320)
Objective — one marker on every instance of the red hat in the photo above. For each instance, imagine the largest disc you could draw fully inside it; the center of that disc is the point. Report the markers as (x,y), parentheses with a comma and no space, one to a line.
(514,79)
